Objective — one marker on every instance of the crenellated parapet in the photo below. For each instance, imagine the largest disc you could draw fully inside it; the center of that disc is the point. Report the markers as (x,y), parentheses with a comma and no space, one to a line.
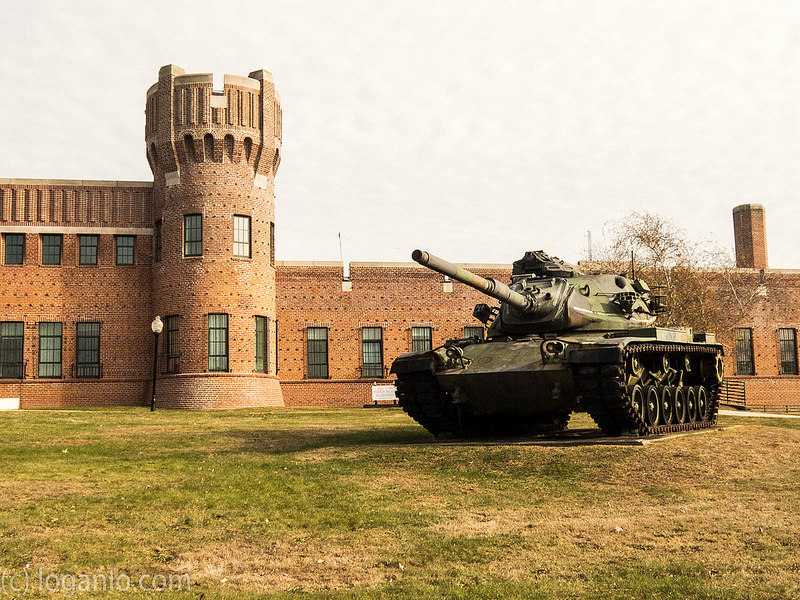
(189,122)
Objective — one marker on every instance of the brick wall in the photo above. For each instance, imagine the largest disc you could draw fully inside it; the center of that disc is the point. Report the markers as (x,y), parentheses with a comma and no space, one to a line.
(774,306)
(392,296)
(118,297)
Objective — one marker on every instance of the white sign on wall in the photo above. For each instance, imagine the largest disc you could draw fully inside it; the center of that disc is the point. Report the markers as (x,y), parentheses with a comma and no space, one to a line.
(383,393)
(9,403)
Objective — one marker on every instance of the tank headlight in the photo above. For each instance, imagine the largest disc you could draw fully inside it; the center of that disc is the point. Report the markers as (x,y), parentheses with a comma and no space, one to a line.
(454,352)
(554,347)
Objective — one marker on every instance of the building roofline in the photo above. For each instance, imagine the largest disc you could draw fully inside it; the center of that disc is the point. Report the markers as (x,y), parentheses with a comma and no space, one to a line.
(75,182)
(386,265)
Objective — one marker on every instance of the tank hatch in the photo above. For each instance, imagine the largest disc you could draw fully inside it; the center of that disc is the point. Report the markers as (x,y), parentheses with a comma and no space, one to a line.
(539,264)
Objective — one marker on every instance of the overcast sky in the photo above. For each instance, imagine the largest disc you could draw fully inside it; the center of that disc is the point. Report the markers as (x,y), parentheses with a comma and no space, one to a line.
(475,130)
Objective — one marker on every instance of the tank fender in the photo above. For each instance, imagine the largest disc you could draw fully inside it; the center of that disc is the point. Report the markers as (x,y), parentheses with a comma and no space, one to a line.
(596,354)
(412,362)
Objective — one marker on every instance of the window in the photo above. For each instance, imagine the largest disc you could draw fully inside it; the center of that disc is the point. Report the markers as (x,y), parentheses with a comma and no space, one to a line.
(788,342)
(87,249)
(208,145)
(15,248)
(217,342)
(11,345)
(317,352)
(744,352)
(420,339)
(51,249)
(272,244)
(241,236)
(125,249)
(192,235)
(87,361)
(171,344)
(157,241)
(372,352)
(50,350)
(473,332)
(262,327)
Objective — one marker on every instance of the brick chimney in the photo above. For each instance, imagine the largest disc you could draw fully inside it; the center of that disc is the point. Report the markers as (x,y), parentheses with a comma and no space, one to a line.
(750,236)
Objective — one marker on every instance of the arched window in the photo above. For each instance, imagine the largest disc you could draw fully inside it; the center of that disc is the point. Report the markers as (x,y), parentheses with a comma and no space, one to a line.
(208,143)
(188,142)
(248,148)
(229,147)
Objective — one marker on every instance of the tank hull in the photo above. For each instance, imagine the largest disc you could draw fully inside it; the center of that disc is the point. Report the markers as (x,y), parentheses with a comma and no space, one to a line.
(510,377)
(655,382)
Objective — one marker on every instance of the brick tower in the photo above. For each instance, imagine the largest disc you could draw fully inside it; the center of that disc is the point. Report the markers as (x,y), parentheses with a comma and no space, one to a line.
(750,236)
(214,154)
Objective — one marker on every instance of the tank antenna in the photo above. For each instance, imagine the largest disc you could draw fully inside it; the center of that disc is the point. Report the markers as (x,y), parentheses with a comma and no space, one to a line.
(345,270)
(589,244)
(633,266)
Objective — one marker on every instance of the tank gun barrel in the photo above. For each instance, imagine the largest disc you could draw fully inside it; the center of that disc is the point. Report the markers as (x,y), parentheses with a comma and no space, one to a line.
(490,287)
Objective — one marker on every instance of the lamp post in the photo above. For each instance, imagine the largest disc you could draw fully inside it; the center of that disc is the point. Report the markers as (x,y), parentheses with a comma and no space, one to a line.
(157,326)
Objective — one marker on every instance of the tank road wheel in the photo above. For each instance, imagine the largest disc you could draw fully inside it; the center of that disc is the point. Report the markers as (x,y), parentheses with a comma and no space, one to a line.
(652,405)
(679,405)
(636,395)
(691,404)
(636,367)
(665,394)
(701,403)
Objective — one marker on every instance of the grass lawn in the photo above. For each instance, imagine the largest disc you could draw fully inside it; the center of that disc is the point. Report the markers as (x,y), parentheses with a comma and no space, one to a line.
(344,503)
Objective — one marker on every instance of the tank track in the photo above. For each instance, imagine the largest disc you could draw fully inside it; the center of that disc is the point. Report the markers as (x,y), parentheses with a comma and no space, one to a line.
(604,393)
(425,401)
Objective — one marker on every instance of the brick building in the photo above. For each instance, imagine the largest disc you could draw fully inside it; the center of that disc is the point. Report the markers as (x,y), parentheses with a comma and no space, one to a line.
(88,264)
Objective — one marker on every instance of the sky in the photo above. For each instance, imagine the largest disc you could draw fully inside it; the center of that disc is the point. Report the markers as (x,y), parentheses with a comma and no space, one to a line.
(474,130)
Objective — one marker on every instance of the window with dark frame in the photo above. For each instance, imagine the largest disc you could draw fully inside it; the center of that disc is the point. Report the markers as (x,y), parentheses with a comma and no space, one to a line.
(51,249)
(87,363)
(745,364)
(193,235)
(241,236)
(317,352)
(171,343)
(50,345)
(11,349)
(217,342)
(788,342)
(126,245)
(14,248)
(473,332)
(421,339)
(157,241)
(372,352)
(262,345)
(87,249)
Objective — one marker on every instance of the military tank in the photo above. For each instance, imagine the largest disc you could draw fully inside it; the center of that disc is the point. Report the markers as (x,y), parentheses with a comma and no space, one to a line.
(562,341)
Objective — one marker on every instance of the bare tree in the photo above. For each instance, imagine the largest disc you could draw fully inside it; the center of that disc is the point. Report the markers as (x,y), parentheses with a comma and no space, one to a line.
(698,281)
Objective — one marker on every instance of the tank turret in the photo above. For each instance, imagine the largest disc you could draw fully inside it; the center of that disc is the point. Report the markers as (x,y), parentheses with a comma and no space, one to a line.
(561,340)
(546,294)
